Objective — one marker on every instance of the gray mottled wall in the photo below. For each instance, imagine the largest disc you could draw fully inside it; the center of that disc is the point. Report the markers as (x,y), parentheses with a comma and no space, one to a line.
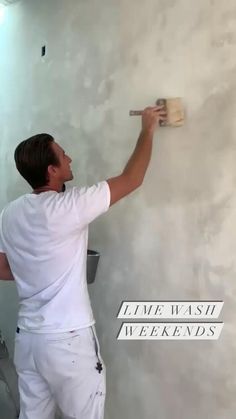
(175,237)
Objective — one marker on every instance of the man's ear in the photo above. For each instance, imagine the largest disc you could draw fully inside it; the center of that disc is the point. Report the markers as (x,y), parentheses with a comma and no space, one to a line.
(52,170)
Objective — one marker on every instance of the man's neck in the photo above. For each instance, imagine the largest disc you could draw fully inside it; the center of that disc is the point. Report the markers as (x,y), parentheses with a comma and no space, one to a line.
(49,188)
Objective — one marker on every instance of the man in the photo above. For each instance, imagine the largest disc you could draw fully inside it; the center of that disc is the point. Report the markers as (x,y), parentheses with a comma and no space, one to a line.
(43,247)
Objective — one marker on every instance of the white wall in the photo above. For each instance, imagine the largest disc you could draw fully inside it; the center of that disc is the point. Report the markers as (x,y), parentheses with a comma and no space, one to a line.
(172,239)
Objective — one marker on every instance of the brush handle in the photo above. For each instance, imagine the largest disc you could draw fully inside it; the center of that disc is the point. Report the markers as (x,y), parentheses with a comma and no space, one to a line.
(135,113)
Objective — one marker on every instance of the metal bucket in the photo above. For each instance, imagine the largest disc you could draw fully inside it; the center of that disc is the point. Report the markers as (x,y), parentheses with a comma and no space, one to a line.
(92,263)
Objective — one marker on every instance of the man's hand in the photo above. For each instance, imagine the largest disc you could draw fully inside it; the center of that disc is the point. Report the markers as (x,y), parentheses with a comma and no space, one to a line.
(151,117)
(5,270)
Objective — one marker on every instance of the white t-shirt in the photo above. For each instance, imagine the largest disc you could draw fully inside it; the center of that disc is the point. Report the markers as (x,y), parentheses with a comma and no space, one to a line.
(45,238)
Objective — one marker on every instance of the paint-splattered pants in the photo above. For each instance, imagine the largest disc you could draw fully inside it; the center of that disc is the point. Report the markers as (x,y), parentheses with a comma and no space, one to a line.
(62,370)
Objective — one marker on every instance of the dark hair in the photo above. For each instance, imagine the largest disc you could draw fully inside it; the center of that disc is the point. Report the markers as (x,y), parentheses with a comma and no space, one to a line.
(33,156)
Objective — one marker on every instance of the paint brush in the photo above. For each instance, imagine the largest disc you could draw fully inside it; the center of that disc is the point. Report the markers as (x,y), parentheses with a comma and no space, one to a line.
(174,111)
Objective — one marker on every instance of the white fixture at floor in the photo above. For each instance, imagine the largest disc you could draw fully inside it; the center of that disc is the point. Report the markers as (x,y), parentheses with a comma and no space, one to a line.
(8,376)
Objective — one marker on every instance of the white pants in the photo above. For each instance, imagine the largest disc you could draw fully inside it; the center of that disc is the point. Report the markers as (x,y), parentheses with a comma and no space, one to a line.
(60,370)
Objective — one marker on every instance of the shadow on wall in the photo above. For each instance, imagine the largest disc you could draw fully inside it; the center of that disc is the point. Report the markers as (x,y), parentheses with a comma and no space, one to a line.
(6,404)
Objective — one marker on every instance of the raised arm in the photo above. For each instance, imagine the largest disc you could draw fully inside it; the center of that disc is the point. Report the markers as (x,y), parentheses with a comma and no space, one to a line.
(5,270)
(133,174)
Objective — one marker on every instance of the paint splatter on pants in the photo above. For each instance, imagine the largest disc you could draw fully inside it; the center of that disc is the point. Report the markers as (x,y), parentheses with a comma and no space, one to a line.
(62,370)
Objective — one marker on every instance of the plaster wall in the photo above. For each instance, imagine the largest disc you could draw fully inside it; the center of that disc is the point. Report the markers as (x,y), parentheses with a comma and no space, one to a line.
(174,237)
